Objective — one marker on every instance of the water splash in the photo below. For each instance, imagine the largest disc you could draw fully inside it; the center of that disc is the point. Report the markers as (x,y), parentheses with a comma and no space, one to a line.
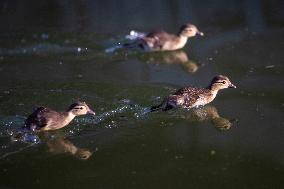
(126,106)
(134,35)
(142,112)
(12,121)
(105,115)
(26,137)
(10,124)
(10,128)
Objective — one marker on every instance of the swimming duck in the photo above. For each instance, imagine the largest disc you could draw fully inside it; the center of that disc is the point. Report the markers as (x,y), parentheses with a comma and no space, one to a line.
(45,119)
(191,97)
(163,41)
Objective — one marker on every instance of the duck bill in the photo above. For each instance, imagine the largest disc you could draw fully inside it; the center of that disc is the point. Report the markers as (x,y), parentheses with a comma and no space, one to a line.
(200,33)
(91,112)
(232,86)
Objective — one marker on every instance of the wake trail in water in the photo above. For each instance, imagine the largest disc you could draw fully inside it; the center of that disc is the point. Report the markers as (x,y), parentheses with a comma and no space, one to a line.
(10,128)
(11,125)
(114,48)
(42,48)
(16,151)
(135,110)
(133,36)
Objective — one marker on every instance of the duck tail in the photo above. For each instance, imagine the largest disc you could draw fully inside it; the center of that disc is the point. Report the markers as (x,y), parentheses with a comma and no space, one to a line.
(113,49)
(130,45)
(163,106)
(134,45)
(133,36)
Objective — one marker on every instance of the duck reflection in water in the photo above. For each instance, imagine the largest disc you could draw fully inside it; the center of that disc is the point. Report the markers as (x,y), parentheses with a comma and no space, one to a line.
(172,57)
(210,113)
(63,145)
(56,144)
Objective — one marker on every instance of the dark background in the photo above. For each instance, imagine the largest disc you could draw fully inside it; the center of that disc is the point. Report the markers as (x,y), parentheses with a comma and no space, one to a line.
(112,16)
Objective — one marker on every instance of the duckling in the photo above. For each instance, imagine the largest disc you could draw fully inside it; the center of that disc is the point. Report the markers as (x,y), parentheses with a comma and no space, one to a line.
(191,97)
(45,119)
(163,41)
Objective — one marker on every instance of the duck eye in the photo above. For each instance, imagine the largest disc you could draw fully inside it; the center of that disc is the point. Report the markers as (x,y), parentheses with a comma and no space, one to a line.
(224,82)
(81,108)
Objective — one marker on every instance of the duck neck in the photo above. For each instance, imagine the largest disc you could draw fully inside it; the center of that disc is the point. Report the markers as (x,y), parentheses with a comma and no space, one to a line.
(214,90)
(182,40)
(69,116)
(182,37)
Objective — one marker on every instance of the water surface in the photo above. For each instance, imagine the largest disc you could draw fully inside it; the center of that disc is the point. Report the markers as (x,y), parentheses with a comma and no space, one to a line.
(235,142)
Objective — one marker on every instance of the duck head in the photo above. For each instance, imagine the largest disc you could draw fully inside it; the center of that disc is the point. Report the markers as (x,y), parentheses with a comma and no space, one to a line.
(80,108)
(189,30)
(221,82)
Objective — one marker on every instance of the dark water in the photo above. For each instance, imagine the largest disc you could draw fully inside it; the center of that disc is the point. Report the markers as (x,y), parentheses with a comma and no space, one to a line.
(52,54)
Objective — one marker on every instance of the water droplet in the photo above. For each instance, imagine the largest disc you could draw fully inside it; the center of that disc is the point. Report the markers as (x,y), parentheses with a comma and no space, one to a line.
(30,138)
(44,36)
(269,66)
(212,152)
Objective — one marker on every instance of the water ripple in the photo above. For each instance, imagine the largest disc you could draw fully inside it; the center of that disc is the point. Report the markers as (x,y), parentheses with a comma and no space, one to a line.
(127,106)
(42,48)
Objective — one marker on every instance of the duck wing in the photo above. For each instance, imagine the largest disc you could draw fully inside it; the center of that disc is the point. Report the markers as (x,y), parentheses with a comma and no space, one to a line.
(192,95)
(39,118)
(158,39)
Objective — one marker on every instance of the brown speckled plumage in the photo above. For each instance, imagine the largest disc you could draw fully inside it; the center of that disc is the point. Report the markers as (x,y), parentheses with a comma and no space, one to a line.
(44,119)
(189,97)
